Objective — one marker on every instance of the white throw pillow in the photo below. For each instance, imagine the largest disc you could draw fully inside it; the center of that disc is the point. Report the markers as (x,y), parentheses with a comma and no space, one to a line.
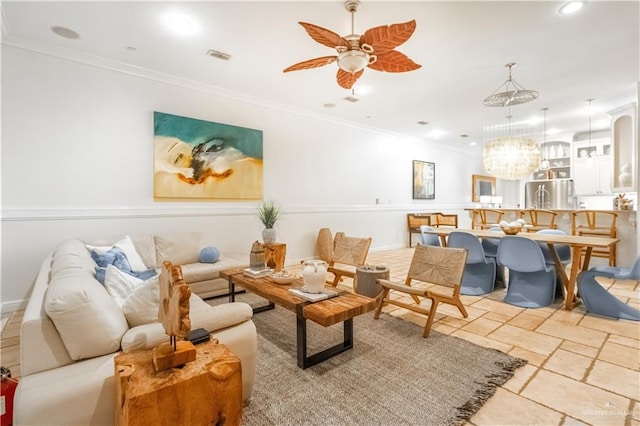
(126,245)
(120,284)
(141,306)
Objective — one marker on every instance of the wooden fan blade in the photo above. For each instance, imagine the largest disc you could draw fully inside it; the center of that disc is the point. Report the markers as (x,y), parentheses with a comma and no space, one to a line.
(311,63)
(324,36)
(387,37)
(347,79)
(394,61)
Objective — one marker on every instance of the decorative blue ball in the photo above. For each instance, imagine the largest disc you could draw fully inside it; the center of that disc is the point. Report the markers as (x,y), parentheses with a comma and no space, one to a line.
(209,255)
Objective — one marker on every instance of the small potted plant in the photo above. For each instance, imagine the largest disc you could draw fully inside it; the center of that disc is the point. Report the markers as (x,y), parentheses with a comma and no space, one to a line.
(268,213)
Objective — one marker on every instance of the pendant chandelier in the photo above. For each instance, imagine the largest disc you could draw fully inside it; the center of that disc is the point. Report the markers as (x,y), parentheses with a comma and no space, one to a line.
(512,93)
(509,153)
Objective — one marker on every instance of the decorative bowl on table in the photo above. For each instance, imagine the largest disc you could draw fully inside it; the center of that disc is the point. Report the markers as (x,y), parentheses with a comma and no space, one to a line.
(283,277)
(511,229)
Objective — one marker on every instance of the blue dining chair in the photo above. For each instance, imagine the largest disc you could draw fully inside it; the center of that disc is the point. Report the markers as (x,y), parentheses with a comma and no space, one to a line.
(532,283)
(563,250)
(480,271)
(621,272)
(598,300)
(490,247)
(428,239)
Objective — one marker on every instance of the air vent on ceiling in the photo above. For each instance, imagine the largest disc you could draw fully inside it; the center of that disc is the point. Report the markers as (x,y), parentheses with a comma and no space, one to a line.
(218,54)
(351,99)
(422,122)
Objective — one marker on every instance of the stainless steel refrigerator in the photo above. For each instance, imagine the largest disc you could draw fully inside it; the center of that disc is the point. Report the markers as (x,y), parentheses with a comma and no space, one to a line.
(550,194)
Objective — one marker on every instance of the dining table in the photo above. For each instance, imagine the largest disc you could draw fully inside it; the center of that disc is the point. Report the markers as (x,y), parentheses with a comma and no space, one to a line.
(581,248)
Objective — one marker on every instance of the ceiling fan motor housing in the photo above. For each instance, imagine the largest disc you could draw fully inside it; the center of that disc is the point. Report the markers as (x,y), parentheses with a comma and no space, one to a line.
(352,5)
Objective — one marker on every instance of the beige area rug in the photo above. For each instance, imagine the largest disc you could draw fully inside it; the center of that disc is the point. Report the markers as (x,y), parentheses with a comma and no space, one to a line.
(392,376)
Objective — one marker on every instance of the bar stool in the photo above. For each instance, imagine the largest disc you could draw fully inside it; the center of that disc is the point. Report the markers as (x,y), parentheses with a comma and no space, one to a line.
(485,218)
(596,223)
(539,219)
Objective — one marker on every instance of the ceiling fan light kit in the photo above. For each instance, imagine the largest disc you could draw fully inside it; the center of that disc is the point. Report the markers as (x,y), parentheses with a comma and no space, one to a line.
(374,49)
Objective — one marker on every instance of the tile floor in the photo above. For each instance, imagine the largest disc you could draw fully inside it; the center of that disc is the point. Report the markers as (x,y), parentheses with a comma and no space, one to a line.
(582,369)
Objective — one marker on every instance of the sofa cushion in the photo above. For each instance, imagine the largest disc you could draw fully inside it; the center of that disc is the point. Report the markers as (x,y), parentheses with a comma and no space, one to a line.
(142,304)
(73,255)
(88,320)
(196,272)
(146,248)
(180,249)
(202,315)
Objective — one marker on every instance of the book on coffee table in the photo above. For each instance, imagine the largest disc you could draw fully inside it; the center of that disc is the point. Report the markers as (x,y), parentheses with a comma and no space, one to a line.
(256,273)
(313,297)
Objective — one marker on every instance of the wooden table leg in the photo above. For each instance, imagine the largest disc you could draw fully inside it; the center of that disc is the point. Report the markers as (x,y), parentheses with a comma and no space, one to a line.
(576,255)
(560,271)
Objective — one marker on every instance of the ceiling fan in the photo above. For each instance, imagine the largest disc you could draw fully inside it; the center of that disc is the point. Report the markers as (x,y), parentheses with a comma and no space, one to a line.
(374,49)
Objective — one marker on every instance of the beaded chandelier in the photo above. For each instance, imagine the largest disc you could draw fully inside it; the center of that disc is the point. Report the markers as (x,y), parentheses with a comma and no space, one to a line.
(509,156)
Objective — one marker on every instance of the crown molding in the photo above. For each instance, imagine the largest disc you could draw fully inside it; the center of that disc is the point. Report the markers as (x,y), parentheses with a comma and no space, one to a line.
(97,61)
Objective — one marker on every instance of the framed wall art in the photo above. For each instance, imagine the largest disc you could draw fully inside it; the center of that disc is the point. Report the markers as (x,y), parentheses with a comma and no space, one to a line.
(424,180)
(482,186)
(205,160)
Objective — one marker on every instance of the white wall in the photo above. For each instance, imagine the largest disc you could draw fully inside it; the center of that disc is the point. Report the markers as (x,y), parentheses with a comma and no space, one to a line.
(77,163)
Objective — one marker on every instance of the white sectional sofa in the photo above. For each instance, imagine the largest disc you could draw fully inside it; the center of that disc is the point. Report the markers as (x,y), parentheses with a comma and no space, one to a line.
(73,328)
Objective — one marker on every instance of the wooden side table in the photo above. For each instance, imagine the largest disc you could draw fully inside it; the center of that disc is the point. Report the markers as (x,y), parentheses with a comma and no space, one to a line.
(274,255)
(203,392)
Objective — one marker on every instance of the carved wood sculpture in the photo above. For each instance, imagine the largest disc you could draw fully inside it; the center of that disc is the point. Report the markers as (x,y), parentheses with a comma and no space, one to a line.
(256,258)
(274,255)
(174,316)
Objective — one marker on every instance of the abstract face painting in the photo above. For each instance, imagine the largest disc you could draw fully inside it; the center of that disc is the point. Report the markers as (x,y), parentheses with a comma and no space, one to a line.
(202,159)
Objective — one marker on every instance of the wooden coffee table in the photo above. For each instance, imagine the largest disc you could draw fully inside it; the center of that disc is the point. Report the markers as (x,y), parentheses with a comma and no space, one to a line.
(326,312)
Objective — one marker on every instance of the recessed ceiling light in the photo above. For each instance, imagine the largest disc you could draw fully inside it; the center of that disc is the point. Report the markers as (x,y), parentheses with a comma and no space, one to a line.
(437,133)
(422,122)
(65,32)
(181,23)
(351,99)
(473,143)
(571,7)
(361,89)
(329,105)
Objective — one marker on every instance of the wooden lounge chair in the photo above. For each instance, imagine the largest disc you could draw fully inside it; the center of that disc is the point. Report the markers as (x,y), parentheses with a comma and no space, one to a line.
(442,266)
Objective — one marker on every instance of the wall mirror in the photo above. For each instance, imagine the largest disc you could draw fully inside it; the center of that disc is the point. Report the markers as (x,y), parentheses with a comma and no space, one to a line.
(482,185)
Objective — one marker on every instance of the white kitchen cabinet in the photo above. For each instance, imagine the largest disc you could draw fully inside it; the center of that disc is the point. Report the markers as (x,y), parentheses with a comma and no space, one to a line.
(592,167)
(592,176)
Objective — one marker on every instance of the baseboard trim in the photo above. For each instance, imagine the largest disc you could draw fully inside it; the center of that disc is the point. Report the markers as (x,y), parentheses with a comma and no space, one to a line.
(14,305)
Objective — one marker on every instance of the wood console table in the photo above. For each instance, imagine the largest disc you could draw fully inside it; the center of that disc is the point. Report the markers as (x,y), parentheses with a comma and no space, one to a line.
(206,391)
